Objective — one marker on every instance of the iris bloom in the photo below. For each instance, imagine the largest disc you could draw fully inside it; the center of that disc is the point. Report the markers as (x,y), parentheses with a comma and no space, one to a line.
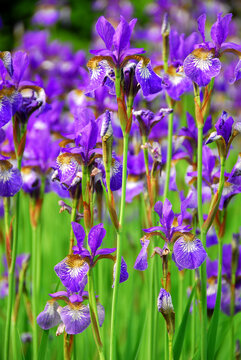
(203,63)
(10,178)
(187,251)
(116,55)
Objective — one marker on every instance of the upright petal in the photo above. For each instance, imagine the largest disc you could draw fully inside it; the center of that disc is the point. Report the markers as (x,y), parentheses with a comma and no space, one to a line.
(201,25)
(105,31)
(95,238)
(121,38)
(123,272)
(20,63)
(79,233)
(220,29)
(141,260)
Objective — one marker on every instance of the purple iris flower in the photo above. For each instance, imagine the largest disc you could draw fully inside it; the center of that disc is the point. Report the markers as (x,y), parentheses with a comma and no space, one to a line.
(17,96)
(146,119)
(74,318)
(116,54)
(223,130)
(124,275)
(203,63)
(117,41)
(73,269)
(188,251)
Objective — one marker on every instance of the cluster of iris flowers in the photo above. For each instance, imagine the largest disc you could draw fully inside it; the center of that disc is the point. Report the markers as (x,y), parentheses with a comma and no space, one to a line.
(122,126)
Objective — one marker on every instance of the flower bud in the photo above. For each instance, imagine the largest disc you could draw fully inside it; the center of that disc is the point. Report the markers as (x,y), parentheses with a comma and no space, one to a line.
(164,305)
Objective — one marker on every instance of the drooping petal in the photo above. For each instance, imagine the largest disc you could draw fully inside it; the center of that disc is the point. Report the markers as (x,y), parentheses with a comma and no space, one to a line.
(6,58)
(105,251)
(76,318)
(224,126)
(189,254)
(79,233)
(50,316)
(72,272)
(10,179)
(68,165)
(123,272)
(105,31)
(149,81)
(115,175)
(201,66)
(95,238)
(98,71)
(141,260)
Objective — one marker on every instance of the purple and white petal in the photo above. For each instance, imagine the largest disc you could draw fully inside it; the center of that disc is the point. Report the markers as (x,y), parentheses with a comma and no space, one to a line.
(10,179)
(98,71)
(189,254)
(149,81)
(115,175)
(6,58)
(72,272)
(201,66)
(50,316)
(76,318)
(123,272)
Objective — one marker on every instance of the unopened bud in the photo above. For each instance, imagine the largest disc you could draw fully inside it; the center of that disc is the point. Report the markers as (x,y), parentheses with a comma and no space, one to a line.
(165,306)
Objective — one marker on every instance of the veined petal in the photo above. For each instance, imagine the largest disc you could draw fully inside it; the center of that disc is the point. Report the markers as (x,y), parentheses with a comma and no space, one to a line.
(115,175)
(149,81)
(10,179)
(6,58)
(201,66)
(50,316)
(188,254)
(123,272)
(201,25)
(72,272)
(76,317)
(220,28)
(20,63)
(98,71)
(68,165)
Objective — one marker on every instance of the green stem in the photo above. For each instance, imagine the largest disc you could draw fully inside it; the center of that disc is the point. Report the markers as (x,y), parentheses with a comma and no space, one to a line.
(7,233)
(169,149)
(232,308)
(34,292)
(119,249)
(94,315)
(170,346)
(203,240)
(73,218)
(11,292)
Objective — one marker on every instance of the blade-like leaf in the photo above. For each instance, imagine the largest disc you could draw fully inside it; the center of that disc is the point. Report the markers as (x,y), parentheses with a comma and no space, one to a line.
(43,345)
(177,349)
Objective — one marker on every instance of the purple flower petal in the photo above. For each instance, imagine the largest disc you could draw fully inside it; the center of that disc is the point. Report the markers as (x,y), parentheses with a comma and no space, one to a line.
(201,66)
(123,272)
(220,29)
(10,179)
(121,38)
(105,251)
(98,71)
(79,233)
(201,25)
(105,31)
(72,272)
(189,254)
(141,260)
(20,64)
(149,81)
(6,58)
(115,175)
(95,238)
(50,316)
(76,317)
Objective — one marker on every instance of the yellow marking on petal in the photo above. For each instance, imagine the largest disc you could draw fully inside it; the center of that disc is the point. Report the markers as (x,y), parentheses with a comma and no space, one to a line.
(203,54)
(5,165)
(74,261)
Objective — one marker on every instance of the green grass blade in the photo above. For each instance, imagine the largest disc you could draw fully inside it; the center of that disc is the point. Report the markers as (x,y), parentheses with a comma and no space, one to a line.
(177,349)
(43,345)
